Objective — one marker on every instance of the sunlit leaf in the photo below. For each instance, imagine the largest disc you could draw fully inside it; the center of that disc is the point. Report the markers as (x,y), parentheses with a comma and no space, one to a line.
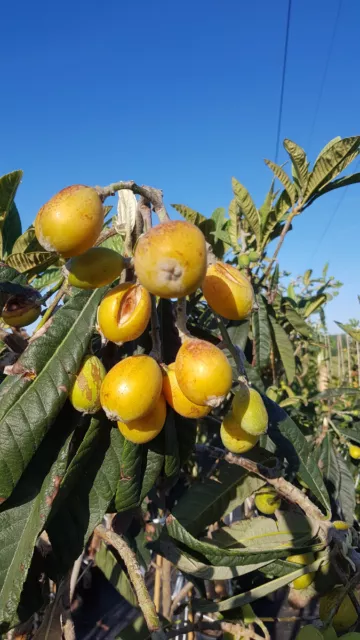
(299,162)
(248,209)
(284,179)
(284,347)
(332,162)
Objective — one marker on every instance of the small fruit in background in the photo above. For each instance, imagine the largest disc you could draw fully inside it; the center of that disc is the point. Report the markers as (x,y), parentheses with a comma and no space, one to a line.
(146,428)
(253,256)
(96,267)
(354,452)
(71,221)
(249,411)
(175,397)
(21,310)
(340,525)
(85,392)
(244,260)
(124,313)
(234,438)
(170,259)
(131,388)
(267,501)
(228,292)
(346,614)
(203,372)
(272,393)
(306,580)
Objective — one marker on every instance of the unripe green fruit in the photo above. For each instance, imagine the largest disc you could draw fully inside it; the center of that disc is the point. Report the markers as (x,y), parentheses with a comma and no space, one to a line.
(244,260)
(272,393)
(249,411)
(352,635)
(345,616)
(304,581)
(309,633)
(253,256)
(85,392)
(330,634)
(234,438)
(21,310)
(95,268)
(267,502)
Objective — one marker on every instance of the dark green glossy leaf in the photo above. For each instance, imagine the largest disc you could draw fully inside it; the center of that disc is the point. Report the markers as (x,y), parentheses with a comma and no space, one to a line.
(297,322)
(262,333)
(87,490)
(28,411)
(346,492)
(293,445)
(153,460)
(172,458)
(238,332)
(128,490)
(8,187)
(353,433)
(11,230)
(284,347)
(27,511)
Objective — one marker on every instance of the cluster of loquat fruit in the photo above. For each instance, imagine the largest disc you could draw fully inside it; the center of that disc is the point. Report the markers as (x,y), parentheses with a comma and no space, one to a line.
(170,261)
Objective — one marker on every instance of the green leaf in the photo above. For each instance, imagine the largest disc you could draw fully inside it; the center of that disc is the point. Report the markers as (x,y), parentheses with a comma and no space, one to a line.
(297,322)
(284,179)
(238,332)
(28,411)
(205,606)
(248,209)
(327,147)
(11,230)
(186,437)
(25,240)
(335,393)
(234,211)
(267,205)
(275,278)
(206,502)
(189,214)
(290,440)
(262,333)
(129,486)
(26,261)
(300,163)
(353,333)
(314,303)
(153,460)
(191,566)
(346,181)
(284,347)
(51,275)
(172,458)
(8,274)
(332,162)
(27,512)
(86,492)
(346,492)
(217,555)
(307,277)
(114,572)
(8,187)
(353,433)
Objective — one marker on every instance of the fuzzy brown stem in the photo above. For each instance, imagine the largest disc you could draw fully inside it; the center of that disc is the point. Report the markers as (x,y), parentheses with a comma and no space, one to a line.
(216,625)
(166,587)
(180,596)
(155,196)
(145,603)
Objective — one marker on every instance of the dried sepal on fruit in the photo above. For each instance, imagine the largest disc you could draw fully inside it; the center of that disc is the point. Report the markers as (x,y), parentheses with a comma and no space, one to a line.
(228,291)
(95,268)
(85,391)
(147,427)
(175,397)
(203,372)
(71,221)
(170,259)
(131,388)
(124,313)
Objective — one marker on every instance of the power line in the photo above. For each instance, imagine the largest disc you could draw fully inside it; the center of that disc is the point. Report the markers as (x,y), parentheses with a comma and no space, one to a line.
(322,85)
(283,81)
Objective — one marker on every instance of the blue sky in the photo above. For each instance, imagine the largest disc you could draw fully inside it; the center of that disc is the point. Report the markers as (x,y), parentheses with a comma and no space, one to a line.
(182,95)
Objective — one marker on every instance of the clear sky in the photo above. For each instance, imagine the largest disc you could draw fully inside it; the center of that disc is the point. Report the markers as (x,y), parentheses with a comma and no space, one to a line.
(182,95)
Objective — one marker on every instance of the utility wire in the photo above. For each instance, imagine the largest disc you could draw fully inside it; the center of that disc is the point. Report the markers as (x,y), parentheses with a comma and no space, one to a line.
(283,81)
(322,85)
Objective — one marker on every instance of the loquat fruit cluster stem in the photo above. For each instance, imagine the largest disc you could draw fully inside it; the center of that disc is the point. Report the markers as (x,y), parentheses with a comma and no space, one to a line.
(154,196)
